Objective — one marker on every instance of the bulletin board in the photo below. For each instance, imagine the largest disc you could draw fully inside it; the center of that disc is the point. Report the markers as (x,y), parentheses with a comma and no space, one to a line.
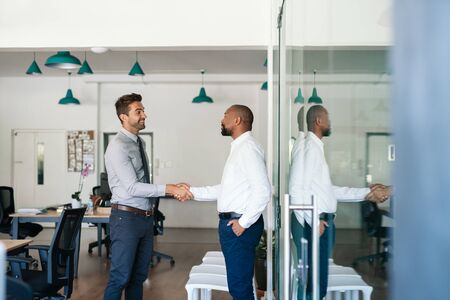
(80,150)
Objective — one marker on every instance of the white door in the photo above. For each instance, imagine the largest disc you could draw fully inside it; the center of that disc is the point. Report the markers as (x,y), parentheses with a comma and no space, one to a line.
(39,168)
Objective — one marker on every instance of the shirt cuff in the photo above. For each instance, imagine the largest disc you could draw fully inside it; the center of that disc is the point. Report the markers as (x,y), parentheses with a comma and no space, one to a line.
(244,222)
(161,190)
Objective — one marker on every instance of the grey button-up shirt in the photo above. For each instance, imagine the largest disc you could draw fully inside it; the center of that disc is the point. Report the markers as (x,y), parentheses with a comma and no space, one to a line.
(126,173)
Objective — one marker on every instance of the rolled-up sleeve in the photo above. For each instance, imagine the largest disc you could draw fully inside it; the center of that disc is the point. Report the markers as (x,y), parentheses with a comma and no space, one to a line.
(206,193)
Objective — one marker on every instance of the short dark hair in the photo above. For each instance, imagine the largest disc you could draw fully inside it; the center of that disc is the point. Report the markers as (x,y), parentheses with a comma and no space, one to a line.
(245,113)
(313,113)
(123,103)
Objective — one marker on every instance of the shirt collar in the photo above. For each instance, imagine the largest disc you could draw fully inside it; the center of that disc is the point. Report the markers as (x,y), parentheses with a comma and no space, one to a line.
(243,137)
(129,134)
(315,138)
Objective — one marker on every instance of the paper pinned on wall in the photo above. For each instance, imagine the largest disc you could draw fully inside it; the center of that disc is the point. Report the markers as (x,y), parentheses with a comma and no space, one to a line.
(80,150)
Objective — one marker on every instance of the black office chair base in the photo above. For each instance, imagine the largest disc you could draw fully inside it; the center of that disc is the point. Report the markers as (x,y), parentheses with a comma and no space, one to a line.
(106,241)
(160,255)
(382,257)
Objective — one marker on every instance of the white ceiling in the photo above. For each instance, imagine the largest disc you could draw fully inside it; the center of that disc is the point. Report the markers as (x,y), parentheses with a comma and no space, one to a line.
(214,61)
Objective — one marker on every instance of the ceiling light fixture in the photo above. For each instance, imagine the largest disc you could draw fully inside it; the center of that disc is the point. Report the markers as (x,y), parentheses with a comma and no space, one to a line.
(202,97)
(264,85)
(69,98)
(34,69)
(314,98)
(299,99)
(136,70)
(63,60)
(85,68)
(99,50)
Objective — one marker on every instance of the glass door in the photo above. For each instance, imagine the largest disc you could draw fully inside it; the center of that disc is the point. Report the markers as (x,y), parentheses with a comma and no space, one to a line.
(324,58)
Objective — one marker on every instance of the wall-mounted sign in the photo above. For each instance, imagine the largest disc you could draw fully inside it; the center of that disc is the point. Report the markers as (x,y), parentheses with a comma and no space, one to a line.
(80,150)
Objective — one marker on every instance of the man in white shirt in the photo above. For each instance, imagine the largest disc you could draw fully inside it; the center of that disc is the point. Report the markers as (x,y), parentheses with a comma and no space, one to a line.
(310,176)
(241,198)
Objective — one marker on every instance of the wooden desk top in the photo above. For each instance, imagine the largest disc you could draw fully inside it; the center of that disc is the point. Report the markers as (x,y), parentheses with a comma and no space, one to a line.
(54,213)
(15,244)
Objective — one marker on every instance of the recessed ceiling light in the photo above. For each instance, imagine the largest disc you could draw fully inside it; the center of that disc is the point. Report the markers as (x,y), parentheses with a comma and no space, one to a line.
(99,50)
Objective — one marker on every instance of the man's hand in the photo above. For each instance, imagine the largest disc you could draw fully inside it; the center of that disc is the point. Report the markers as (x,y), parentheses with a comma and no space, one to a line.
(236,227)
(179,191)
(378,193)
(323,225)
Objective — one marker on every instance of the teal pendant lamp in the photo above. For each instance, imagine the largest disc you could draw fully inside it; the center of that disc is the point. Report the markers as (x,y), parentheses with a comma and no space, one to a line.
(264,85)
(315,99)
(63,60)
(299,99)
(69,99)
(85,68)
(202,97)
(136,70)
(34,69)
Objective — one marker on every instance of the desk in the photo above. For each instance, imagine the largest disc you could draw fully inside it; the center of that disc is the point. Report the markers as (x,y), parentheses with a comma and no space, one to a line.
(14,245)
(53,217)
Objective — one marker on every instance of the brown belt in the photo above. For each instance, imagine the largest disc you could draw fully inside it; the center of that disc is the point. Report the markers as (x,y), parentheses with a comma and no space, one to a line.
(141,212)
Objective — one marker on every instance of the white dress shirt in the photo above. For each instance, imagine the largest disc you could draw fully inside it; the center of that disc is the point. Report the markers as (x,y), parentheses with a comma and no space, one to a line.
(126,172)
(313,178)
(245,187)
(296,189)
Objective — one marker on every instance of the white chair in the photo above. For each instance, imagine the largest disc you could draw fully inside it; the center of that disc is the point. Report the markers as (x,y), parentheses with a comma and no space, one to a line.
(205,283)
(214,254)
(204,272)
(351,286)
(341,270)
(215,261)
(208,269)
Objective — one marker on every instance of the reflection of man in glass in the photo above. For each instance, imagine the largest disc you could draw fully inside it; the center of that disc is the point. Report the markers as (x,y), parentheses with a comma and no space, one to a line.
(310,175)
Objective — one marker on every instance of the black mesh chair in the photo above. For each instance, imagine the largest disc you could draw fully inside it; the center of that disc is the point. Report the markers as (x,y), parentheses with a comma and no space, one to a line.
(158,229)
(7,208)
(57,260)
(18,290)
(372,217)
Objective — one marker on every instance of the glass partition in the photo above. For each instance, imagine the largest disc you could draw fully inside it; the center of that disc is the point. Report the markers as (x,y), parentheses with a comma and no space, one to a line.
(340,69)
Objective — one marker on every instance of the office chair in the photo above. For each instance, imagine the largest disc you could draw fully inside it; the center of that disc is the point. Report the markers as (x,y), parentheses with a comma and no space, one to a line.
(18,290)
(57,260)
(372,216)
(7,208)
(97,190)
(158,229)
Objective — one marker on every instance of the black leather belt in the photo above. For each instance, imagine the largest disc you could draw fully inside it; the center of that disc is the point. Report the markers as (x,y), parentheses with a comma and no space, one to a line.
(229,215)
(327,216)
(137,211)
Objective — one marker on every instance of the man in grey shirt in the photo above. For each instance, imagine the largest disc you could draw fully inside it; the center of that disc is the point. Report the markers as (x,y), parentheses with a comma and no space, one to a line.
(131,220)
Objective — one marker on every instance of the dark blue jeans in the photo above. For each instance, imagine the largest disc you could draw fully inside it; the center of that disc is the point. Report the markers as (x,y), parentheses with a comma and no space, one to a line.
(239,253)
(131,249)
(326,248)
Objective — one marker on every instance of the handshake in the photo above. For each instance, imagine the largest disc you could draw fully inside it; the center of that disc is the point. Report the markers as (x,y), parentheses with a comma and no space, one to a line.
(179,191)
(379,193)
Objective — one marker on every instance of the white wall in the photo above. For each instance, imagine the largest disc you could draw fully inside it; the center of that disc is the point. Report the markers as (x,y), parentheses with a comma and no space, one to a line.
(339,23)
(195,23)
(134,23)
(32,103)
